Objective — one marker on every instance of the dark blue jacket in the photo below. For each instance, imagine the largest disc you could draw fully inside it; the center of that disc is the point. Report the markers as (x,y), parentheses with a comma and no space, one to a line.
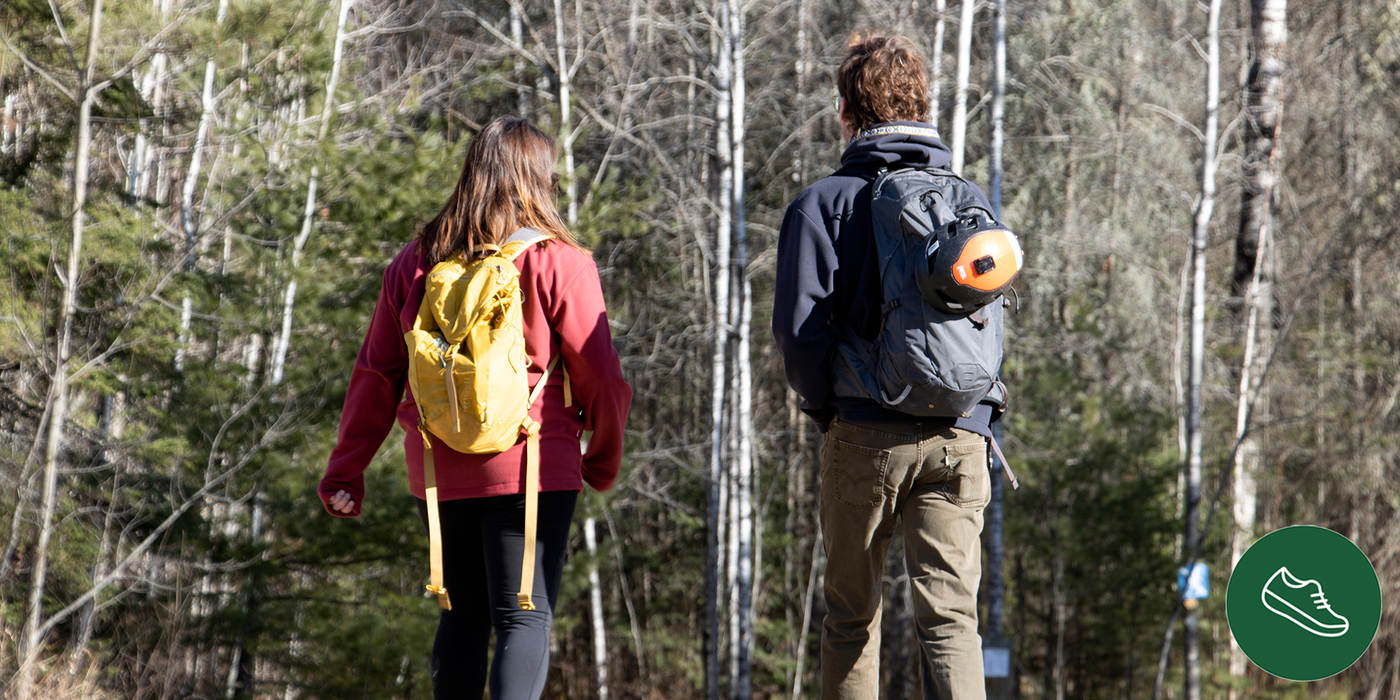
(827,274)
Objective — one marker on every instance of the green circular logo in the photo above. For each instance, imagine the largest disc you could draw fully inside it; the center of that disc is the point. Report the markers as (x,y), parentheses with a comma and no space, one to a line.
(1304,603)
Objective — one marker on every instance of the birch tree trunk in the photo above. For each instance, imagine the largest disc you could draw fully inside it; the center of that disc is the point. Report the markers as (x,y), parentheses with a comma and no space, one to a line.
(153,91)
(58,391)
(1200,232)
(517,70)
(743,403)
(796,420)
(8,130)
(960,100)
(279,354)
(189,222)
(998,105)
(731,550)
(1253,269)
(718,371)
(804,77)
(566,128)
(935,90)
(995,589)
(1264,112)
(600,635)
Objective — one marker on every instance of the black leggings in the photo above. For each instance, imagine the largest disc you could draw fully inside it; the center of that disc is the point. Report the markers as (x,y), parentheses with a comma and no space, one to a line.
(483,540)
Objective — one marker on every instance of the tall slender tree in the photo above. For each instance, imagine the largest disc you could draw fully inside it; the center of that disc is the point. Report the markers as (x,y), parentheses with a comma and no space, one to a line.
(959,144)
(566,112)
(743,402)
(995,519)
(189,222)
(1252,277)
(1200,235)
(87,92)
(720,334)
(328,111)
(940,22)
(595,600)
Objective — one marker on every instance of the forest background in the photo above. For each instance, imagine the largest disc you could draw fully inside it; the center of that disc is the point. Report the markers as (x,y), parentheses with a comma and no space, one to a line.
(198,198)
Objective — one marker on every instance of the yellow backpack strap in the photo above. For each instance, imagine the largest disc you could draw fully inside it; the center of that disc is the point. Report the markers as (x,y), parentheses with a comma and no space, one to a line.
(531,428)
(435,584)
(450,372)
(480,250)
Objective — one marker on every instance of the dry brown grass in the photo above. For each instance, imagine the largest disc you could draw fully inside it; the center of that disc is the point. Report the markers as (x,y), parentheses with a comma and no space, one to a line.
(56,682)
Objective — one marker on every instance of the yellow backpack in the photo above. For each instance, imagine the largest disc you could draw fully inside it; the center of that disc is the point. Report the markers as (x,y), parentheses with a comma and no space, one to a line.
(469,371)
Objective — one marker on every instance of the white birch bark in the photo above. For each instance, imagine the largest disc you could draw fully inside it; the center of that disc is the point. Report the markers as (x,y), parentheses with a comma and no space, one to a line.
(935,90)
(7,125)
(995,514)
(279,354)
(718,370)
(518,70)
(58,392)
(157,154)
(804,72)
(153,92)
(1199,235)
(183,339)
(566,127)
(189,223)
(743,402)
(960,99)
(1247,457)
(1253,259)
(731,518)
(998,105)
(600,637)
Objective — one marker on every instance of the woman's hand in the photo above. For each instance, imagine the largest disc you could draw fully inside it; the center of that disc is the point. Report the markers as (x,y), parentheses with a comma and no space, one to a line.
(342,502)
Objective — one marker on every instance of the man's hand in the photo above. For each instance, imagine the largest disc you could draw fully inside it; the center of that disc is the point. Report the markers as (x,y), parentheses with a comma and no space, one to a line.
(342,502)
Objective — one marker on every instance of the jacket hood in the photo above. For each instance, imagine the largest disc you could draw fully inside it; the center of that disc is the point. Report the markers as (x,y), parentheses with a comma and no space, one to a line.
(906,143)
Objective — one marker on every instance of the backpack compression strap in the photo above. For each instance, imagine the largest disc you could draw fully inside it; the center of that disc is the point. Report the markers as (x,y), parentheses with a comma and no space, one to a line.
(1006,467)
(531,429)
(434,524)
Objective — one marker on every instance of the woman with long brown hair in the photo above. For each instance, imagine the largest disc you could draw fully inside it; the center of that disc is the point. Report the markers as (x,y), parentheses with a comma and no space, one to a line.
(507,184)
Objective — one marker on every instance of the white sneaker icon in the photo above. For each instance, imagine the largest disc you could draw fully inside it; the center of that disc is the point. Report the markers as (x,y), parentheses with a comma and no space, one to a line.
(1303,603)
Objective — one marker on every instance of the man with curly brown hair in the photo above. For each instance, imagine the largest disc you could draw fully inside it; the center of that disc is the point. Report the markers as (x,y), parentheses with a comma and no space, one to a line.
(880,465)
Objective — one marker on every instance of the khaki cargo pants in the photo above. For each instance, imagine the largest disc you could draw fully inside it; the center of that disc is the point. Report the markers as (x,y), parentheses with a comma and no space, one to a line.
(935,481)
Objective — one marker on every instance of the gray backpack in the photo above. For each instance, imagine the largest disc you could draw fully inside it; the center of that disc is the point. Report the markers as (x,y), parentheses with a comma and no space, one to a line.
(925,361)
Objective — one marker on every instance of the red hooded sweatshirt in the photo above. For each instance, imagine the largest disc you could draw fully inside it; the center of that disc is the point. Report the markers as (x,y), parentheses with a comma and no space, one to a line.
(563,313)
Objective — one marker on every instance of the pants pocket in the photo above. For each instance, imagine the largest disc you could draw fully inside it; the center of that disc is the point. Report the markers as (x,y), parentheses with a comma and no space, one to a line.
(855,473)
(969,484)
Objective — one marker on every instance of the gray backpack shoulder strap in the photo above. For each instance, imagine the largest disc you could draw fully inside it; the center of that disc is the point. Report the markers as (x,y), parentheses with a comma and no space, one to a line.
(529,235)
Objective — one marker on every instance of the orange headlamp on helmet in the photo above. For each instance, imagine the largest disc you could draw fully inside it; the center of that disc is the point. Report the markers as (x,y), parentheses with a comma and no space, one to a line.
(971,262)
